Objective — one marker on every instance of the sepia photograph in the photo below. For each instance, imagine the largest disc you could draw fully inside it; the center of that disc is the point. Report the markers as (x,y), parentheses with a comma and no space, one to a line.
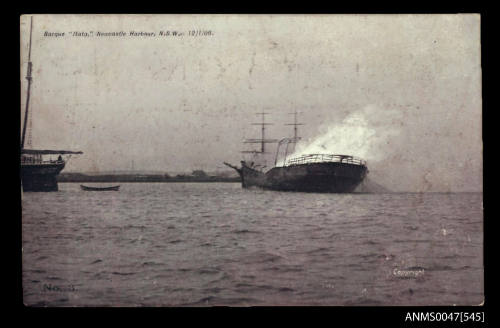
(247,160)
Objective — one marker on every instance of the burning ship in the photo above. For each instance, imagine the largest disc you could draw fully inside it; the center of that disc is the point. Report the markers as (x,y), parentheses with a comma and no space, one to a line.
(326,173)
(39,173)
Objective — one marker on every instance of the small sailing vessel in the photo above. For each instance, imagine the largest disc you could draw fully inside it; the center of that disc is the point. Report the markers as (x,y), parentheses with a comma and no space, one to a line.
(37,172)
(112,188)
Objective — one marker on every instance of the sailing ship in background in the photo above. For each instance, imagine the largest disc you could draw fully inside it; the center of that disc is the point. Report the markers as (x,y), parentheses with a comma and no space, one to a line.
(39,173)
(330,173)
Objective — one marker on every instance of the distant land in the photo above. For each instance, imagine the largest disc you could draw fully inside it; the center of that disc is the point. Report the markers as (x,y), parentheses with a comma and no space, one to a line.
(127,176)
(368,185)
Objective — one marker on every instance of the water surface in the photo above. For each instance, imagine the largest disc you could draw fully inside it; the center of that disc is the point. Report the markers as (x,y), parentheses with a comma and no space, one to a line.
(204,244)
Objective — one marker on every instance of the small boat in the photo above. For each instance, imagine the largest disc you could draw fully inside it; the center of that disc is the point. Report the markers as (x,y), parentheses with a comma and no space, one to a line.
(113,188)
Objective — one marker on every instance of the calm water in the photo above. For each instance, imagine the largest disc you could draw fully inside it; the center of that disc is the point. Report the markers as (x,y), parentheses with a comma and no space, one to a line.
(204,244)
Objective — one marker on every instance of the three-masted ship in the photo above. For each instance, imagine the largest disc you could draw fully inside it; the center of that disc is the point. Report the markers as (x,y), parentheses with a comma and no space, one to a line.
(39,173)
(326,173)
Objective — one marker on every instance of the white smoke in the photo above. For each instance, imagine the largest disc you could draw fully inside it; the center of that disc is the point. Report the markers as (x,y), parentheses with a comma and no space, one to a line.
(365,133)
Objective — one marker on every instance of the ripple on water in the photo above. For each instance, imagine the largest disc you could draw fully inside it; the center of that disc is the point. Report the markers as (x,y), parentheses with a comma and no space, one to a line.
(152,263)
(148,244)
(244,231)
(216,300)
(284,268)
(208,271)
(123,273)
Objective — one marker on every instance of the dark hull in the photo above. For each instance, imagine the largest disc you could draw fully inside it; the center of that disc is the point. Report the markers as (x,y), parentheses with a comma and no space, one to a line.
(114,188)
(40,177)
(330,177)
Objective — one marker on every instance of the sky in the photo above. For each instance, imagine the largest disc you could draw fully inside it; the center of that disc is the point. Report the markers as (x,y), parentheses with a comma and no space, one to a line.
(400,91)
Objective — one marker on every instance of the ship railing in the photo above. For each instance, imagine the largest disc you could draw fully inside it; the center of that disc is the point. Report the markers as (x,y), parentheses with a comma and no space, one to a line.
(324,158)
(32,160)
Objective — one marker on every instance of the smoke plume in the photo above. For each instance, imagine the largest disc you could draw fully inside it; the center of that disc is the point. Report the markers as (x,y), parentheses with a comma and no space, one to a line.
(368,133)
(364,133)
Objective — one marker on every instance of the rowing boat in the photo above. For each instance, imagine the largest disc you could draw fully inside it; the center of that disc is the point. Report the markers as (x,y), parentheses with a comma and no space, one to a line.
(113,188)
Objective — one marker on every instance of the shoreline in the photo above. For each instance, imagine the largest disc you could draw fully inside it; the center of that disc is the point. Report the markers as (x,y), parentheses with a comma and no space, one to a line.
(62,178)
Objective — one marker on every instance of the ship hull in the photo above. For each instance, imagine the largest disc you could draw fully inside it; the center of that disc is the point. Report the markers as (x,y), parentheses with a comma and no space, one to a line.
(40,177)
(328,177)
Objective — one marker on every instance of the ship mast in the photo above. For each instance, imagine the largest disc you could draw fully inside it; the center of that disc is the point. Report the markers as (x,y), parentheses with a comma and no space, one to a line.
(295,124)
(28,77)
(262,140)
(26,113)
(288,141)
